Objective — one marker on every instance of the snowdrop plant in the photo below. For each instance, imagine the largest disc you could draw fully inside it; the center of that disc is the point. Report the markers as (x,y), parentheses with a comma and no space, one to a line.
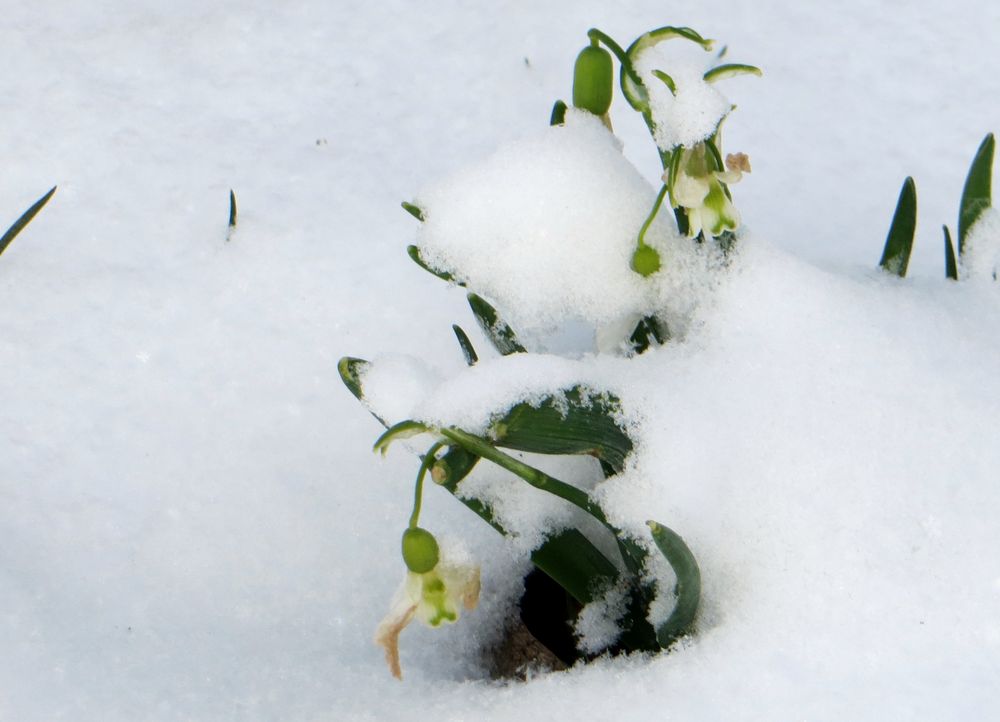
(683,113)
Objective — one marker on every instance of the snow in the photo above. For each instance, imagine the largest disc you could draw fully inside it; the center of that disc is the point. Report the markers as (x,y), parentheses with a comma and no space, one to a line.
(193,526)
(982,247)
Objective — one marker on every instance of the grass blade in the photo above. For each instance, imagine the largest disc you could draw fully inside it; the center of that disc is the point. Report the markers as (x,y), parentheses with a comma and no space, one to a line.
(501,335)
(899,242)
(24,220)
(977,193)
(232,208)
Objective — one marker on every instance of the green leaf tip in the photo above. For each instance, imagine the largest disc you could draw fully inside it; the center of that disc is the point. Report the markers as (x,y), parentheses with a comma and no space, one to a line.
(729,70)
(25,219)
(977,193)
(471,357)
(899,242)
(667,80)
(501,335)
(950,262)
(232,208)
(414,253)
(351,370)
(688,588)
(558,116)
(413,210)
(403,430)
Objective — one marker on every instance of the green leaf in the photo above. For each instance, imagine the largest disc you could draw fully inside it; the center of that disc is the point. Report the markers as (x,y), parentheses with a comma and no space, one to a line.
(729,70)
(669,32)
(574,422)
(977,193)
(648,331)
(688,589)
(471,357)
(403,430)
(24,220)
(667,80)
(232,208)
(950,262)
(576,565)
(414,254)
(501,335)
(351,370)
(558,116)
(899,242)
(413,210)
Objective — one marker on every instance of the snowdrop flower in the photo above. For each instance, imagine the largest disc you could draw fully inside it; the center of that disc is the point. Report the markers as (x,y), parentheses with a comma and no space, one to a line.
(700,191)
(434,591)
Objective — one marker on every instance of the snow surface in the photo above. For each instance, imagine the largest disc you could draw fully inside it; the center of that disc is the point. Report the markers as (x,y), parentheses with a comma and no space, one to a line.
(192,524)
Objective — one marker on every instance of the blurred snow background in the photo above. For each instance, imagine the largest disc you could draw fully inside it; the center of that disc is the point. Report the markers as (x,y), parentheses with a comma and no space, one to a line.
(191,524)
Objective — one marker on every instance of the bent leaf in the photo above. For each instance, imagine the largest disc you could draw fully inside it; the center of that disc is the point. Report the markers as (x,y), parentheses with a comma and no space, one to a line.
(576,565)
(24,220)
(403,430)
(899,242)
(501,335)
(977,192)
(574,422)
(729,70)
(688,589)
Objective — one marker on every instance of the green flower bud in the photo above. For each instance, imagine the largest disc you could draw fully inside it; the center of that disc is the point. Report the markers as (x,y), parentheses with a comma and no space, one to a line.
(420,550)
(593,80)
(645,261)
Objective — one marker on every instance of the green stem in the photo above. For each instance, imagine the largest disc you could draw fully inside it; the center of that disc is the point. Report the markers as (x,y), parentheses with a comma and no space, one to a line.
(537,478)
(652,214)
(418,492)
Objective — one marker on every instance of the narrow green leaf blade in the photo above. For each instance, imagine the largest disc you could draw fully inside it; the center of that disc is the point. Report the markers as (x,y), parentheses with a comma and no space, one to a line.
(413,210)
(977,194)
(668,32)
(351,370)
(403,430)
(730,70)
(950,262)
(899,242)
(414,253)
(24,220)
(667,80)
(688,589)
(558,116)
(501,335)
(232,208)
(471,357)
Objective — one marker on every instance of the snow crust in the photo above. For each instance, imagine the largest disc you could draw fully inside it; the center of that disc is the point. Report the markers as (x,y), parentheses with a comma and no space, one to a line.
(192,524)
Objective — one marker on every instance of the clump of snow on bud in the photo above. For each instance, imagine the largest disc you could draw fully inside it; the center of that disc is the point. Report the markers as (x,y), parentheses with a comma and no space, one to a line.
(691,115)
(393,384)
